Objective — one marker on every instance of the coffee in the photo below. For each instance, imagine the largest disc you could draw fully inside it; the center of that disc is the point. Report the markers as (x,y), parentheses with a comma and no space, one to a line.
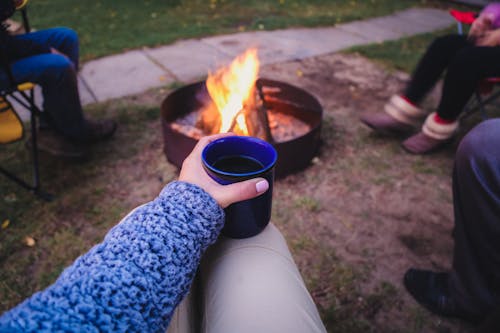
(238,164)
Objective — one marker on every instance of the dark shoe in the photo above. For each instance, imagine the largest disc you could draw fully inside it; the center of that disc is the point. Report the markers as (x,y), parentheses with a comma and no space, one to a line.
(52,143)
(386,124)
(421,143)
(431,290)
(99,130)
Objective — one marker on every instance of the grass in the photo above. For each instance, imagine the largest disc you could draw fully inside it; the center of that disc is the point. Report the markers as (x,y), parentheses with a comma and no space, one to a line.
(402,54)
(107,27)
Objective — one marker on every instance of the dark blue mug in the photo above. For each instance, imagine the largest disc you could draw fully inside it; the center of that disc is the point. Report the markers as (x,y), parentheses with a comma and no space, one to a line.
(234,159)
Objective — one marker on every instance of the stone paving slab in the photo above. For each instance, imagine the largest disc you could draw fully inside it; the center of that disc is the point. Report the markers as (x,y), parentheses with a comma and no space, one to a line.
(405,25)
(188,60)
(370,31)
(303,43)
(430,18)
(123,74)
(235,44)
(285,45)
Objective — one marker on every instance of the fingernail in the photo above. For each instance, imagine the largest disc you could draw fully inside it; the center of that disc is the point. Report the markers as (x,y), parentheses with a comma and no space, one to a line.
(262,186)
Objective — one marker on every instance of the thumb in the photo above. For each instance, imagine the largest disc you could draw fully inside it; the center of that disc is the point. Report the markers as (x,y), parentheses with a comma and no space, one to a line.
(245,190)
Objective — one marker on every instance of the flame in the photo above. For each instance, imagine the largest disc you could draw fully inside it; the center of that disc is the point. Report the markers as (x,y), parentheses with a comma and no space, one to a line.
(231,87)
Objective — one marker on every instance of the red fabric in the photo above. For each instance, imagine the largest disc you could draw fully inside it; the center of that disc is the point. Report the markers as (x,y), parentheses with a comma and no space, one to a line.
(463,17)
(442,121)
(406,99)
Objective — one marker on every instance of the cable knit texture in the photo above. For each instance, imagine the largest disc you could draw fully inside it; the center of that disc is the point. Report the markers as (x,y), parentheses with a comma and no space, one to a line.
(135,278)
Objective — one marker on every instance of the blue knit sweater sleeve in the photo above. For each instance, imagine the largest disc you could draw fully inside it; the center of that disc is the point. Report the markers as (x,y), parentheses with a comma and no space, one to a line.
(135,278)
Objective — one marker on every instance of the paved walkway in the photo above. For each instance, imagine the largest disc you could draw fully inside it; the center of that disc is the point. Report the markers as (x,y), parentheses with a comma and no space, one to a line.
(135,71)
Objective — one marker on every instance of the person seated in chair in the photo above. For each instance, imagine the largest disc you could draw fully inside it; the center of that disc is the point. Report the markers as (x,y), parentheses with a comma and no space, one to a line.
(471,290)
(467,60)
(134,280)
(50,58)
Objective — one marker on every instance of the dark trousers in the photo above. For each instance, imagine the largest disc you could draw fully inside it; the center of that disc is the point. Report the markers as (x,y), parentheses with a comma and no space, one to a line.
(57,76)
(475,277)
(465,66)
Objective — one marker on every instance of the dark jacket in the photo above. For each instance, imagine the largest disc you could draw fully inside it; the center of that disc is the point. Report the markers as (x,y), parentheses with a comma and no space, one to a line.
(12,48)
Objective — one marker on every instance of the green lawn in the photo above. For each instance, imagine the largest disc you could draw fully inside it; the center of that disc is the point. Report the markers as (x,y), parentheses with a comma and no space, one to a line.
(106,27)
(401,54)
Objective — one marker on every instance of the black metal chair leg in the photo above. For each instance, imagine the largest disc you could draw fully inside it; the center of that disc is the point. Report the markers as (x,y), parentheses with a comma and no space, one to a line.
(34,154)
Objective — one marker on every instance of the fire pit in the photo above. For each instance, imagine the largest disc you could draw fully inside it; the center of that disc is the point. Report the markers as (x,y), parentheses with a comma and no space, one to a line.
(293,155)
(284,115)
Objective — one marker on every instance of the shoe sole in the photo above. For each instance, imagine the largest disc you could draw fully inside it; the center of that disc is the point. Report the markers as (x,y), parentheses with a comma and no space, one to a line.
(427,152)
(387,132)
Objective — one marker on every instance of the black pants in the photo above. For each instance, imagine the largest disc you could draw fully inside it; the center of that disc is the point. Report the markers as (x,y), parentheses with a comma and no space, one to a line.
(465,66)
(475,277)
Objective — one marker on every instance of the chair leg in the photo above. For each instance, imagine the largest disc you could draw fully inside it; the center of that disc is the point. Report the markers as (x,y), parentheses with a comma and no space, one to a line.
(481,104)
(35,186)
(34,154)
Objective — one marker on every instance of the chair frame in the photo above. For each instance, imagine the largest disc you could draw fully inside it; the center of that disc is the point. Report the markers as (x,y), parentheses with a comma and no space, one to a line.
(18,93)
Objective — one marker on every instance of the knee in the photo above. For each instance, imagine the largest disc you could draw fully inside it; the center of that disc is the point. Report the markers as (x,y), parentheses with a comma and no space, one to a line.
(446,41)
(466,65)
(480,144)
(56,67)
(68,34)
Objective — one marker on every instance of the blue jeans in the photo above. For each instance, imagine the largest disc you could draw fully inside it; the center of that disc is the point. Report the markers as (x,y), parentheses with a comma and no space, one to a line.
(475,277)
(57,75)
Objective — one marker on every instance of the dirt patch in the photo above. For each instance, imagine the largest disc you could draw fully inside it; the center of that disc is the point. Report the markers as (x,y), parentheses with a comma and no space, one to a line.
(376,208)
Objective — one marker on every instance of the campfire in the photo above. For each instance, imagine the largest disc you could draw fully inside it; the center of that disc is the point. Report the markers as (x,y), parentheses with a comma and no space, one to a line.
(234,99)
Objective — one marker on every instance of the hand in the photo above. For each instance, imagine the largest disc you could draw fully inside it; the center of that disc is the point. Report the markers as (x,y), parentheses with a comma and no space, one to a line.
(192,172)
(489,38)
(480,26)
(18,3)
(56,51)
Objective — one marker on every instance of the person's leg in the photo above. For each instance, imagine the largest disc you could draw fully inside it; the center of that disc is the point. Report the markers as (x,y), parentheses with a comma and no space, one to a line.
(464,73)
(401,113)
(475,277)
(64,40)
(471,290)
(57,77)
(253,285)
(435,60)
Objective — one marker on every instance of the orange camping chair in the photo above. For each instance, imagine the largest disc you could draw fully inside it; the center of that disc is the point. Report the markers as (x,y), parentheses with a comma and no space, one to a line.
(484,93)
(11,126)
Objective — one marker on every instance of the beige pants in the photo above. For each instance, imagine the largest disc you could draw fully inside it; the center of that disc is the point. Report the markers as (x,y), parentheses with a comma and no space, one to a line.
(248,286)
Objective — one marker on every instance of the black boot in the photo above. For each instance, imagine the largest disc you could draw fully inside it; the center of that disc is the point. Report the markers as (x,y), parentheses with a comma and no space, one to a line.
(431,290)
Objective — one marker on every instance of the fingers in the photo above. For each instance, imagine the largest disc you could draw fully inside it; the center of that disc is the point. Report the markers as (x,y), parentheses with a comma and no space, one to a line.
(192,172)
(204,141)
(245,190)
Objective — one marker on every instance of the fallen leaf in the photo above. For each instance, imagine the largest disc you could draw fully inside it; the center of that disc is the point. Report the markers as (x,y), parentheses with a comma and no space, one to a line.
(299,73)
(29,241)
(11,197)
(5,224)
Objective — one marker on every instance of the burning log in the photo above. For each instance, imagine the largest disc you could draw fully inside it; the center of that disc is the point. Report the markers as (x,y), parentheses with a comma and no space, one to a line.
(242,104)
(254,113)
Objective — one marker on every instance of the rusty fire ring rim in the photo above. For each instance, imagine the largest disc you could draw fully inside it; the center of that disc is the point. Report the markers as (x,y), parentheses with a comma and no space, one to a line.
(294,155)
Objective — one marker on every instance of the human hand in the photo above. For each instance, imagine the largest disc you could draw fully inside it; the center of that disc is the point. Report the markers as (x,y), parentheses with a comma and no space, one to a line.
(192,172)
(18,3)
(56,51)
(480,26)
(489,38)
